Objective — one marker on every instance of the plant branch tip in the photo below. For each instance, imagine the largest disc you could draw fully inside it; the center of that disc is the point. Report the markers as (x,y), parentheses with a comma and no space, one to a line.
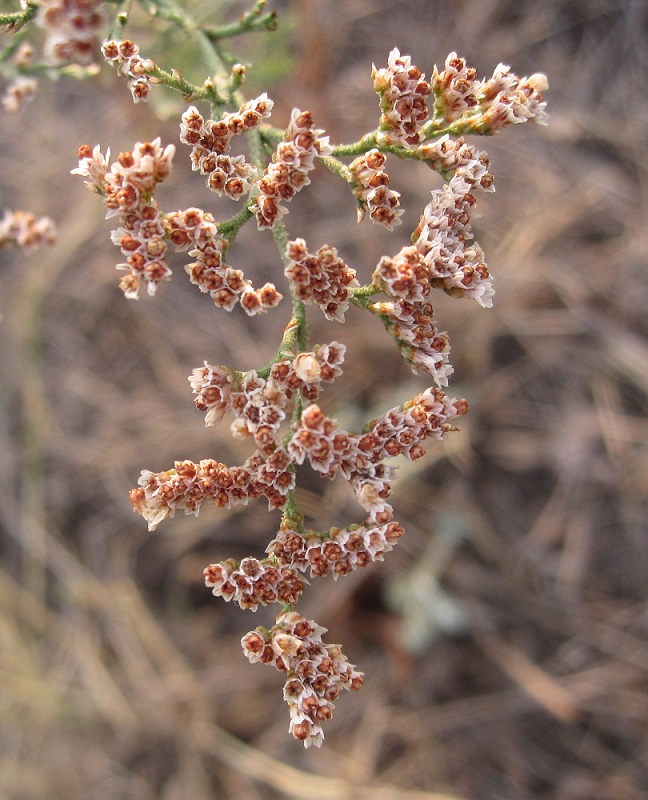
(275,407)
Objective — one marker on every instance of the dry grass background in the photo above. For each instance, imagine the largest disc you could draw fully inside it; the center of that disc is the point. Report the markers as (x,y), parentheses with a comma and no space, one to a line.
(504,641)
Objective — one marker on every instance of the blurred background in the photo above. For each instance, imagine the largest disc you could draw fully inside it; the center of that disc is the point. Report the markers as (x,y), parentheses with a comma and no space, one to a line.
(504,640)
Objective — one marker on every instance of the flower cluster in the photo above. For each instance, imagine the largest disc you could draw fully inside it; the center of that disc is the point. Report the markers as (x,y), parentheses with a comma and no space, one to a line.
(125,57)
(254,582)
(23,229)
(72,27)
(371,190)
(359,457)
(293,159)
(422,345)
(315,672)
(329,449)
(259,404)
(226,286)
(442,238)
(339,551)
(405,278)
(188,485)
(211,141)
(128,187)
(489,105)
(309,370)
(21,88)
(458,157)
(320,277)
(402,90)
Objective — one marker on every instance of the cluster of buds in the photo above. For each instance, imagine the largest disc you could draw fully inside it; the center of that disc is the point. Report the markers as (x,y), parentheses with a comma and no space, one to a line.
(72,28)
(211,141)
(320,277)
(127,187)
(422,345)
(253,582)
(125,57)
(442,238)
(405,278)
(259,404)
(226,286)
(458,157)
(188,485)
(370,185)
(489,105)
(259,410)
(402,89)
(340,551)
(306,373)
(293,159)
(315,672)
(359,457)
(26,231)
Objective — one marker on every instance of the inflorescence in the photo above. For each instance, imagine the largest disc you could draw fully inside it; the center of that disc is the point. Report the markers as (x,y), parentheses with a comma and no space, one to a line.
(276,405)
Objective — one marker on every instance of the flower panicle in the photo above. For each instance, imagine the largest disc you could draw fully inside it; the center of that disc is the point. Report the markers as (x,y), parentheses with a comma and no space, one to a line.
(226,285)
(315,672)
(211,142)
(322,278)
(125,56)
(402,90)
(291,164)
(21,90)
(276,407)
(260,404)
(371,190)
(339,551)
(127,187)
(253,582)
(489,105)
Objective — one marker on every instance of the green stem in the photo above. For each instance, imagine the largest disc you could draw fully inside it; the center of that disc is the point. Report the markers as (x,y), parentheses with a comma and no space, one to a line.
(292,513)
(337,168)
(16,19)
(251,22)
(280,235)
(116,30)
(368,142)
(12,46)
(361,296)
(174,80)
(295,337)
(464,124)
(255,143)
(230,228)
(75,71)
(271,136)
(170,11)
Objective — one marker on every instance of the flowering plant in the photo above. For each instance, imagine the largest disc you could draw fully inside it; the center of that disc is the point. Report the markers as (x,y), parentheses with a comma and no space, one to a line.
(275,406)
